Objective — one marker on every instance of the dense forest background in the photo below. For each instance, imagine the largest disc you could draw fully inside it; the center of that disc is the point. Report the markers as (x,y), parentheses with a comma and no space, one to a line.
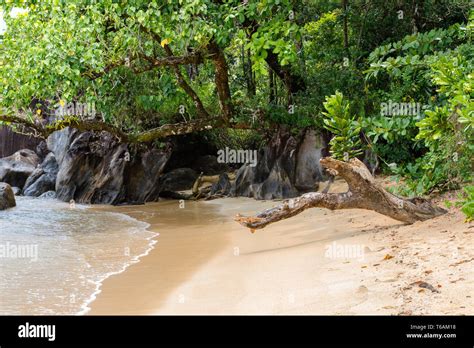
(387,81)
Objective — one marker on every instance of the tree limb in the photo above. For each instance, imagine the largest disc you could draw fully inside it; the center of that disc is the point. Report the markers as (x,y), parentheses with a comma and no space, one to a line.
(193,58)
(176,129)
(37,128)
(363,193)
(142,137)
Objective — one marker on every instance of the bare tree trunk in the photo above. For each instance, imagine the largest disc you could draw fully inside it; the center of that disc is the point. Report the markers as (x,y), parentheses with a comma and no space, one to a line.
(294,83)
(247,71)
(271,86)
(346,30)
(417,16)
(221,80)
(252,88)
(363,193)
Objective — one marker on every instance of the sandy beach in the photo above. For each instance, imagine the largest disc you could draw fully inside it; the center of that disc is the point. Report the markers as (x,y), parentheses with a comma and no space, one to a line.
(319,262)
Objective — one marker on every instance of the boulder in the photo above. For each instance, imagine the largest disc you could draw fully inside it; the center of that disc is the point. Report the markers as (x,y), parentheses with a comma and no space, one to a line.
(142,175)
(178,179)
(16,169)
(287,167)
(43,178)
(7,197)
(95,168)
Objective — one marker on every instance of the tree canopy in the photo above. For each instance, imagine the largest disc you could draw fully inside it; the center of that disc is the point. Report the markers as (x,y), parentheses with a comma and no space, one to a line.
(154,69)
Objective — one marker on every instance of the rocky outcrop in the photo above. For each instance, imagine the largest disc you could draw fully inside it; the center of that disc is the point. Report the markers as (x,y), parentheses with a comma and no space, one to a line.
(7,197)
(95,168)
(285,168)
(16,169)
(43,178)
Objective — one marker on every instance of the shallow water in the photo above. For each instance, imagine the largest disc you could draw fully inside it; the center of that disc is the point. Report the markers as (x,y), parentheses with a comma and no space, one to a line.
(54,257)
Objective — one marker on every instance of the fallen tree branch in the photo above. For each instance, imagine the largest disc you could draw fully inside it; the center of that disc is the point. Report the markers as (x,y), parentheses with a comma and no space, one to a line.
(363,193)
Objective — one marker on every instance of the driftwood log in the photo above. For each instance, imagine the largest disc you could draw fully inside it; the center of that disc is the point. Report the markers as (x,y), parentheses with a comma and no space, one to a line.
(363,193)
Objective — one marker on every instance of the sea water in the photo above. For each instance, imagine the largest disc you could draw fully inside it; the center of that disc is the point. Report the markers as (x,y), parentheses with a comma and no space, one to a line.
(55,256)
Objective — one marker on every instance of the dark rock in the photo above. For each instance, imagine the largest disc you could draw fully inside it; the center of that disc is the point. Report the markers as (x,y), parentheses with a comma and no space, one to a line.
(222,187)
(178,179)
(15,169)
(42,150)
(95,168)
(285,168)
(48,195)
(43,178)
(142,175)
(7,197)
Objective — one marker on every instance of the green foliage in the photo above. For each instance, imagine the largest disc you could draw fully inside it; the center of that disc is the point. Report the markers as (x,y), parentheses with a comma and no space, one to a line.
(434,150)
(351,61)
(466,202)
(235,138)
(346,128)
(446,131)
(467,206)
(385,133)
(329,65)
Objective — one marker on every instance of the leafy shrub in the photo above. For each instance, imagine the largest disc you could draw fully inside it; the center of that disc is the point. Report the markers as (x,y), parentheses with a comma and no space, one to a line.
(466,203)
(346,128)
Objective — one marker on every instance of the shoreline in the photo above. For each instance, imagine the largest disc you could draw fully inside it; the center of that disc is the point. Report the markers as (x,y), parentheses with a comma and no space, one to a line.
(205,263)
(86,306)
(145,213)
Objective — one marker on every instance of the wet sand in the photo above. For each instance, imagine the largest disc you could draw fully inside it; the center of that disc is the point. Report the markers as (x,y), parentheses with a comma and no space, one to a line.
(205,263)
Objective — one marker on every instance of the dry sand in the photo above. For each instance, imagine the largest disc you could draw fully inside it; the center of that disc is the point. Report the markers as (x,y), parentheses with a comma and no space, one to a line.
(205,263)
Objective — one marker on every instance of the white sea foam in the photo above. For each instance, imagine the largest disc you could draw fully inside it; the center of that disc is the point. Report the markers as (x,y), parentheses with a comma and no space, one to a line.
(77,250)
